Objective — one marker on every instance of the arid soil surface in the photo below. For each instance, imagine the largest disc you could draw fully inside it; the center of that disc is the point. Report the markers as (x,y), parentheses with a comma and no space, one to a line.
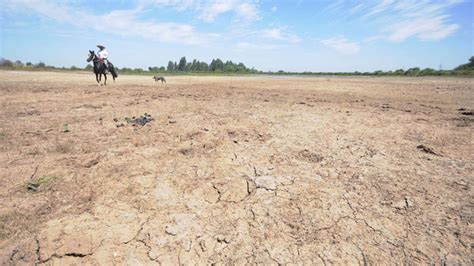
(236,170)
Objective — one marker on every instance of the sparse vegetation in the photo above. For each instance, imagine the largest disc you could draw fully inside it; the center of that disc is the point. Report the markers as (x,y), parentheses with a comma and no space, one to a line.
(34,185)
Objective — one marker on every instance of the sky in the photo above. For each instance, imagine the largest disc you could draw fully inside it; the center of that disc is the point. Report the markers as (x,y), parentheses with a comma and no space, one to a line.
(290,35)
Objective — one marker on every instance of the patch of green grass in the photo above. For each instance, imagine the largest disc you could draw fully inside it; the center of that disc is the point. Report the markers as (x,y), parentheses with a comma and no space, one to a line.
(34,185)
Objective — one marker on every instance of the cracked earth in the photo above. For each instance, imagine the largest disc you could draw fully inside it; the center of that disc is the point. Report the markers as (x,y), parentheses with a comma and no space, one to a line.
(236,170)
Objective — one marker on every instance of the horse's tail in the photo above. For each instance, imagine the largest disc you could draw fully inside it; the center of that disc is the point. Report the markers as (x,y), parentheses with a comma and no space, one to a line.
(113,72)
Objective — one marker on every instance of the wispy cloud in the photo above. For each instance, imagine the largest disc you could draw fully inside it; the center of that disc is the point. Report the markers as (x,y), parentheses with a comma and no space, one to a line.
(280,34)
(119,22)
(209,10)
(433,28)
(341,45)
(403,19)
(335,5)
(244,46)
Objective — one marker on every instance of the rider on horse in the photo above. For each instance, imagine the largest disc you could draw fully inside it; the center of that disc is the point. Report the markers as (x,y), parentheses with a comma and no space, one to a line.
(103,55)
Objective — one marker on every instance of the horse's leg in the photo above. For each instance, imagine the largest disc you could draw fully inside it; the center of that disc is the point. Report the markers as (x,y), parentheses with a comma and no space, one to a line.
(97,78)
(105,79)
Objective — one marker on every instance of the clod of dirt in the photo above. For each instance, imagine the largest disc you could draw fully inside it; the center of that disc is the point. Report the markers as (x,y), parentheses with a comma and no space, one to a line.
(467,113)
(426,149)
(310,156)
(266,182)
(186,151)
(140,121)
(171,121)
(406,203)
(91,163)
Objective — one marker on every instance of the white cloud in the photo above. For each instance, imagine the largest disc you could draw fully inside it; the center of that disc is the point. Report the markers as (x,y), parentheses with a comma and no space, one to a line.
(274,8)
(248,11)
(341,45)
(280,34)
(120,22)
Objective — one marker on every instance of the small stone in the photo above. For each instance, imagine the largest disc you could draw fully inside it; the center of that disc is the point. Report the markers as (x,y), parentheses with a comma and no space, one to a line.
(171,229)
(318,178)
(223,239)
(187,245)
(409,202)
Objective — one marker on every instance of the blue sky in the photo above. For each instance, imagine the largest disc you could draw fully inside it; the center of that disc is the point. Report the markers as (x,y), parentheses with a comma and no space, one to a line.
(293,35)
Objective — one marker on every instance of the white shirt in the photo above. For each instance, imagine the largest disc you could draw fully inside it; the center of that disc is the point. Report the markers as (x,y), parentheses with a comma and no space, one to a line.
(103,54)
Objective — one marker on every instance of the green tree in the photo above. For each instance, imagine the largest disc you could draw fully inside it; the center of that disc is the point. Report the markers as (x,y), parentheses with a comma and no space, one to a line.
(414,71)
(427,72)
(240,67)
(170,67)
(229,66)
(216,65)
(399,72)
(378,72)
(188,67)
(182,64)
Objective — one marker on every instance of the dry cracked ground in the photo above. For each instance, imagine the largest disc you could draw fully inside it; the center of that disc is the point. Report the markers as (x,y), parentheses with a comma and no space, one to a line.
(234,170)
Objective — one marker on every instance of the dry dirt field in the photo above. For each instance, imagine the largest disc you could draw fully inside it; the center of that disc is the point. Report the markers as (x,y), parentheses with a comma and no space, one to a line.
(234,170)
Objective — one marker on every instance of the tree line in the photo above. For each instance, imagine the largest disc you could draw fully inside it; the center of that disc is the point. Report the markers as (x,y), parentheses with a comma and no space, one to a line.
(217,66)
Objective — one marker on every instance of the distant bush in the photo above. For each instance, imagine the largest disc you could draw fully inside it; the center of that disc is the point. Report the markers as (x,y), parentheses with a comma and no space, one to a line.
(40,65)
(6,63)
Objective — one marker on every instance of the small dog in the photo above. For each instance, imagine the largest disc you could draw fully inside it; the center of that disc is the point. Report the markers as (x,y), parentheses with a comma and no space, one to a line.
(156,78)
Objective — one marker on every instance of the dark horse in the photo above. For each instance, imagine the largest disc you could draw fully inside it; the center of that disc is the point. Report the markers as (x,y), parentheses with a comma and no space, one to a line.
(100,69)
